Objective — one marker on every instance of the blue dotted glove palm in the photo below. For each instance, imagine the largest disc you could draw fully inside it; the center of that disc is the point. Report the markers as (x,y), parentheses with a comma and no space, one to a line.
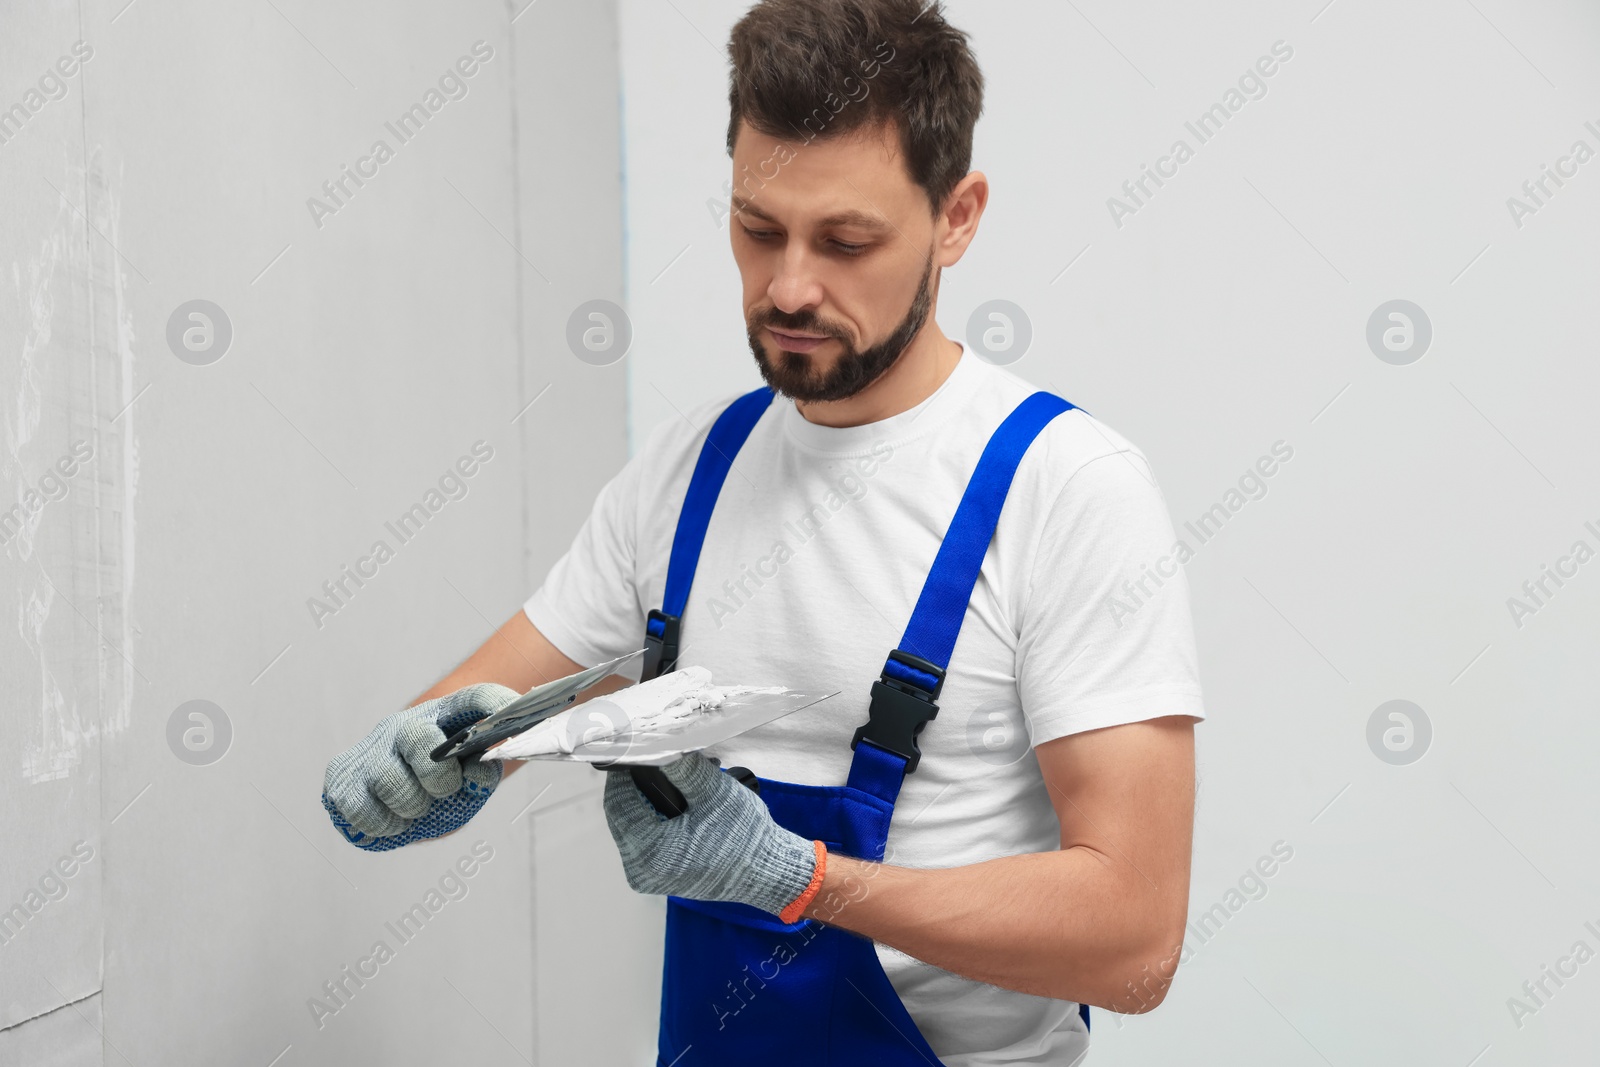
(387,791)
(726,846)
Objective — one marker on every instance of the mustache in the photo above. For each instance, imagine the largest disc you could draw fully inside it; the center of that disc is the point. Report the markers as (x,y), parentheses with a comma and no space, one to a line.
(800,322)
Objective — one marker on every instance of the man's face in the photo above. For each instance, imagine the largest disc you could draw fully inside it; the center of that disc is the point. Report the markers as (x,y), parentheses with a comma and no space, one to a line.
(833,241)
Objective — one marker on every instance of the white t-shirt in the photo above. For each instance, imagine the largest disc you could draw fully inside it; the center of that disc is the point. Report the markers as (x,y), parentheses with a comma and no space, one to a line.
(816,553)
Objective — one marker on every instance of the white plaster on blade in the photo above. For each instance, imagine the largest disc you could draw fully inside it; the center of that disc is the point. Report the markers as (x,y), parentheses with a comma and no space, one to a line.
(660,705)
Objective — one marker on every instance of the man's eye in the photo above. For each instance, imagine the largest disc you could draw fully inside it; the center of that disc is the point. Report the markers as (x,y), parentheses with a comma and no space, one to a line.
(766,235)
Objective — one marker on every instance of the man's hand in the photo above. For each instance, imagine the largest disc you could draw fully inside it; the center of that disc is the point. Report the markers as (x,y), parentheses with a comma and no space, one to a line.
(725,847)
(387,791)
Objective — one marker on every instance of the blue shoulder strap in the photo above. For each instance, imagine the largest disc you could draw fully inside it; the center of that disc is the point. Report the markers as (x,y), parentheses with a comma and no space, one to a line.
(727,436)
(905,697)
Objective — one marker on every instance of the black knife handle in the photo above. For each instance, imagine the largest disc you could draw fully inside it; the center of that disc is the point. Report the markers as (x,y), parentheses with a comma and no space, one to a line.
(666,797)
(659,791)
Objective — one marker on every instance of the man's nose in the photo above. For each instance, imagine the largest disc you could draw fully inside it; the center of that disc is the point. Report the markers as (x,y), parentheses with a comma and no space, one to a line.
(795,284)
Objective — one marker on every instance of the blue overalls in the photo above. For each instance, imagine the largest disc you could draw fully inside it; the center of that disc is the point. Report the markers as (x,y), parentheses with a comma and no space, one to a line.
(738,986)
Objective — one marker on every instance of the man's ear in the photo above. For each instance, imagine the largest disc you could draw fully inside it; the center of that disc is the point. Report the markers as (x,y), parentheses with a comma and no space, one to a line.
(959,223)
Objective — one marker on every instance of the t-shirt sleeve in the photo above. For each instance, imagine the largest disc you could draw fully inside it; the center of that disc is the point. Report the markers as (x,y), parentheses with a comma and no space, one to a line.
(589,605)
(1106,636)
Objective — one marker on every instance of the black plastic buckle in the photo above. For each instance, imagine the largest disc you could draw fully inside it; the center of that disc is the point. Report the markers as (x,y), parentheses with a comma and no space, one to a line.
(900,709)
(660,653)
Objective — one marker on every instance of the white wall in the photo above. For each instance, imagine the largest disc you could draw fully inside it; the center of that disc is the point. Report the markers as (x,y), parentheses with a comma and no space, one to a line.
(368,354)
(1227,314)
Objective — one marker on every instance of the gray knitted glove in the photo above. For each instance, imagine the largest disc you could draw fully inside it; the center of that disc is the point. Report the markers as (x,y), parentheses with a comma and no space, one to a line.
(725,847)
(387,791)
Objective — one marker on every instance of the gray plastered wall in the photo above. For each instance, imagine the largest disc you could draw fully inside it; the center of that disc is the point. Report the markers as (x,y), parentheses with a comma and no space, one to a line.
(385,337)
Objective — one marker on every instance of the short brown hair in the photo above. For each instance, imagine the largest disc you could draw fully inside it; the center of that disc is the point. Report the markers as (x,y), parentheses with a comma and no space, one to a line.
(910,67)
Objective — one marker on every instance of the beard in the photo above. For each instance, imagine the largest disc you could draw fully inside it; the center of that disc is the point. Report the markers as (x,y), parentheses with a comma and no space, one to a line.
(794,374)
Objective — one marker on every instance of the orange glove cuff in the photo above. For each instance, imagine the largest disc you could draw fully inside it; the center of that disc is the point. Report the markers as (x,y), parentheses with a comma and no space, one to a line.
(797,907)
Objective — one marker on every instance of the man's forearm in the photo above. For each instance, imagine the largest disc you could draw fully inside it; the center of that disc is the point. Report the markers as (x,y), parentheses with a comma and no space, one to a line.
(1072,924)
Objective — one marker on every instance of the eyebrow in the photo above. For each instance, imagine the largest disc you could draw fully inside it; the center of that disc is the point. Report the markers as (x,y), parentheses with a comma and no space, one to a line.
(861,219)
